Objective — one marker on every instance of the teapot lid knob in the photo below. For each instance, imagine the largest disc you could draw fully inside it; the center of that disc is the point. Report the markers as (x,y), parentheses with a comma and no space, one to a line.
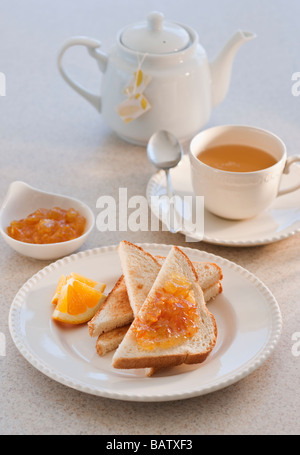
(155,21)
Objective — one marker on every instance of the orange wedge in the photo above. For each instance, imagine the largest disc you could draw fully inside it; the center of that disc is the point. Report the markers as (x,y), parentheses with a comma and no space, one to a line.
(83,279)
(64,279)
(77,301)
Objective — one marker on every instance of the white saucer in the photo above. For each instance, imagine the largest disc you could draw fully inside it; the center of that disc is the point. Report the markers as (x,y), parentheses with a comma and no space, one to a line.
(279,222)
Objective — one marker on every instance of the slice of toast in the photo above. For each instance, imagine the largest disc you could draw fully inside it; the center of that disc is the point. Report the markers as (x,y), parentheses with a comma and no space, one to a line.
(109,341)
(193,349)
(140,269)
(117,310)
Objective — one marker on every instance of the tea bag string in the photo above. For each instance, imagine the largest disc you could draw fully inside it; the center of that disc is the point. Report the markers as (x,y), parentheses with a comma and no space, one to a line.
(140,58)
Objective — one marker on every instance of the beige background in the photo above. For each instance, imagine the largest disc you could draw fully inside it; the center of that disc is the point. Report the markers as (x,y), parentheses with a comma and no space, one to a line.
(53,139)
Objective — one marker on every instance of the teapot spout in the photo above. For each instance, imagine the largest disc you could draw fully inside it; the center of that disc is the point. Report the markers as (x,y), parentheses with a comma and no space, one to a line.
(222,65)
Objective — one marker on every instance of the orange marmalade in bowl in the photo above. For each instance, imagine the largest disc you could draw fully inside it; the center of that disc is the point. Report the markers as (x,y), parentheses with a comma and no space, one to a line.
(48,226)
(171,317)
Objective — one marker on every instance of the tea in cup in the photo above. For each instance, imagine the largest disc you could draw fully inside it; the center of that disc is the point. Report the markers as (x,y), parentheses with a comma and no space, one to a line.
(238,169)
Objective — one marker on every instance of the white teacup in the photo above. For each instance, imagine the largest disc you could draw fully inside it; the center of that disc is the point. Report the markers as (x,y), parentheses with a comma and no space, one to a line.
(239,195)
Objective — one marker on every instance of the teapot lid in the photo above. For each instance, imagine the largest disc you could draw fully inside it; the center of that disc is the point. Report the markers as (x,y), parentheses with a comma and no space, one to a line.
(155,36)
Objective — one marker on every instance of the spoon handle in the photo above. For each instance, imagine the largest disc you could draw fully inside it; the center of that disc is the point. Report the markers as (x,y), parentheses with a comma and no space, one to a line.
(173,224)
(170,191)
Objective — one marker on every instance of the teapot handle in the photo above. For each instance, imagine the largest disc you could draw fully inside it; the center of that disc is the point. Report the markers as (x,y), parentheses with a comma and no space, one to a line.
(92,46)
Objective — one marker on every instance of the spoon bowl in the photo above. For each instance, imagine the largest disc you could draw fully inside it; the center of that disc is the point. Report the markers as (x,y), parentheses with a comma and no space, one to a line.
(21,200)
(164,151)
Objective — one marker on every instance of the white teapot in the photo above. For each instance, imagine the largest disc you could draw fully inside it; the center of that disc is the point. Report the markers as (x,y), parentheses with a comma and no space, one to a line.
(157,77)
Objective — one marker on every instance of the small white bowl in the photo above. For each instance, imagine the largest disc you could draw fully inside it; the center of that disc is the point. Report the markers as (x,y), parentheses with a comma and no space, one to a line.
(21,200)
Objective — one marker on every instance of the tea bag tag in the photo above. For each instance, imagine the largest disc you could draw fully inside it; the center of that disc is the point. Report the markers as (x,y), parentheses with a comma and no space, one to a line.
(136,104)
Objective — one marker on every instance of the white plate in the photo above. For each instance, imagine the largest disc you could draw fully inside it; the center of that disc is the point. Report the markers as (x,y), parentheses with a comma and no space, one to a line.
(279,222)
(247,316)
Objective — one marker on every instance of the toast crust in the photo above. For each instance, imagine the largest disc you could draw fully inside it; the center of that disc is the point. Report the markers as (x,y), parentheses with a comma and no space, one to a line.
(162,361)
(219,268)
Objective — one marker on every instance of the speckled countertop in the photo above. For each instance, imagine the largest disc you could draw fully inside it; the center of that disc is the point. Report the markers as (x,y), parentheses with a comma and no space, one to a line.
(54,140)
